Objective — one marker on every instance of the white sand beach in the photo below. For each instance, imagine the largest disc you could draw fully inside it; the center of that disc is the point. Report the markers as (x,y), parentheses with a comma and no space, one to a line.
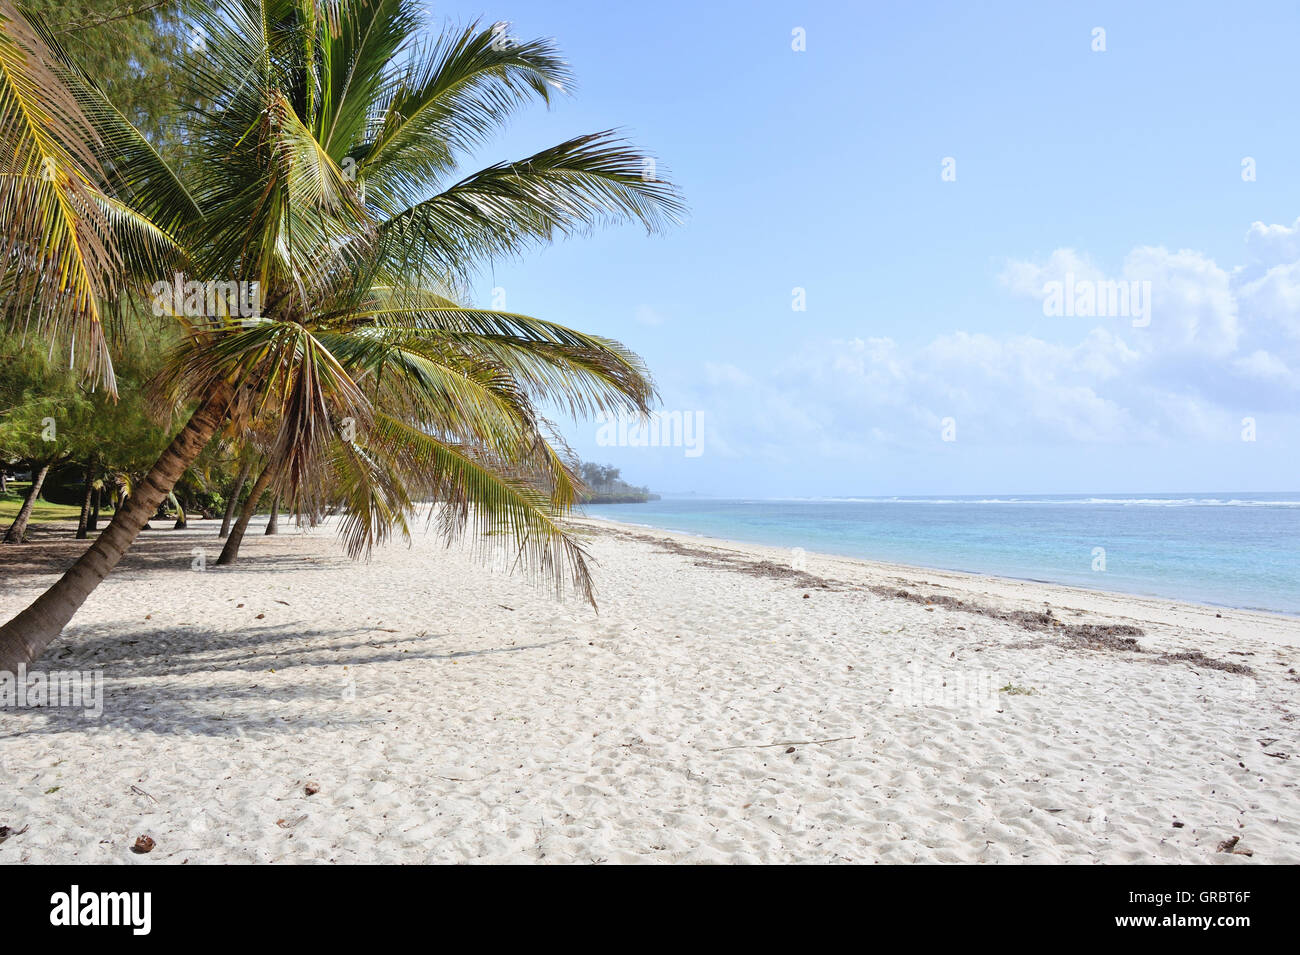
(723,706)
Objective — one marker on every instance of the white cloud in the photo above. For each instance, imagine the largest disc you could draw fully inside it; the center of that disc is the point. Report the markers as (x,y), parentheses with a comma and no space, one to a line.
(1262,365)
(1190,307)
(1028,278)
(1271,244)
(1274,301)
(1192,304)
(1220,345)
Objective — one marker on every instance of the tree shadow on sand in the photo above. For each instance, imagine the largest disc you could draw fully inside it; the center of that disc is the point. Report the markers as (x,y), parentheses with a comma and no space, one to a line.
(144,688)
(50,549)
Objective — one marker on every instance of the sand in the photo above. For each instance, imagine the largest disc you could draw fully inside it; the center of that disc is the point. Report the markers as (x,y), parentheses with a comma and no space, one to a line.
(723,706)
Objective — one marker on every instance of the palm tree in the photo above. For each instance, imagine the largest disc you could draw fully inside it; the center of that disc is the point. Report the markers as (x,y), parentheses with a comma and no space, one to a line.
(325,170)
(232,499)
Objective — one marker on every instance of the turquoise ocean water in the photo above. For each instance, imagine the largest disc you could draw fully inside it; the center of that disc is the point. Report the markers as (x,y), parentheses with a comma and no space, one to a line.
(1234,550)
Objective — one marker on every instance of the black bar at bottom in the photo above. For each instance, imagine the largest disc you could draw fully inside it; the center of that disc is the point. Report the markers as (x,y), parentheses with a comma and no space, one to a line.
(1223,905)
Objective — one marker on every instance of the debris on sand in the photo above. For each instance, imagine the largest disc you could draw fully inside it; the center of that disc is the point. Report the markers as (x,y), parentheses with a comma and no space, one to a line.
(1118,637)
(1230,846)
(142,845)
(1197,658)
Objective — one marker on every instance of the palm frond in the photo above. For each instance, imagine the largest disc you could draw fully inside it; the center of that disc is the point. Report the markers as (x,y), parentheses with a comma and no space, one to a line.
(452,97)
(507,208)
(55,251)
(284,376)
(585,373)
(500,504)
(134,171)
(355,55)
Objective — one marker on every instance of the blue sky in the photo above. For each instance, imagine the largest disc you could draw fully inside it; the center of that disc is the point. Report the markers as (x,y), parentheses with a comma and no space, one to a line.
(821,170)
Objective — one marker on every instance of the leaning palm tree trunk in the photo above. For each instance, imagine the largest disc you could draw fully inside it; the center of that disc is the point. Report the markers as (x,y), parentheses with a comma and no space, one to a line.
(273,523)
(231,551)
(87,494)
(18,529)
(24,637)
(245,470)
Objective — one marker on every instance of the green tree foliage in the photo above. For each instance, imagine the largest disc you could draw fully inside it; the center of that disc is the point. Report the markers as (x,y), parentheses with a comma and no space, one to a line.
(604,485)
(134,51)
(49,414)
(44,411)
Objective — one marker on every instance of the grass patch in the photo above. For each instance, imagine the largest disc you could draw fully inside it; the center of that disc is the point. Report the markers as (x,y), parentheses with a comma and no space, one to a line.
(42,511)
(1012,690)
